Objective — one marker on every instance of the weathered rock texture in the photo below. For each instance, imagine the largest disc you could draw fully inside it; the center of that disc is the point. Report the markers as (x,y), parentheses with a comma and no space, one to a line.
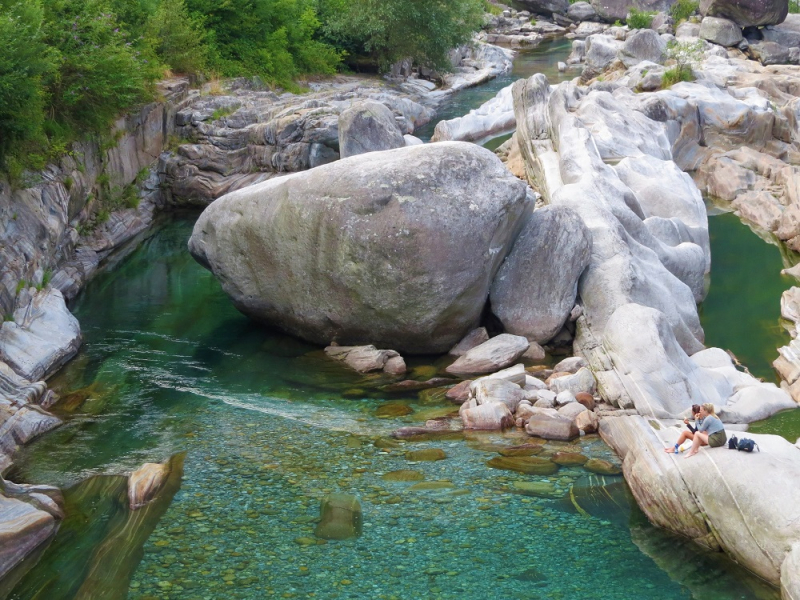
(734,501)
(747,13)
(535,289)
(368,126)
(405,245)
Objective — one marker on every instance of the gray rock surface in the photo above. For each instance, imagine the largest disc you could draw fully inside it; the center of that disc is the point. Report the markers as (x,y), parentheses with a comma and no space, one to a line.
(601,51)
(768,53)
(570,365)
(535,289)
(546,7)
(406,243)
(581,381)
(493,416)
(643,44)
(42,337)
(734,501)
(474,338)
(498,353)
(368,126)
(488,391)
(582,11)
(550,427)
(365,359)
(746,12)
(720,31)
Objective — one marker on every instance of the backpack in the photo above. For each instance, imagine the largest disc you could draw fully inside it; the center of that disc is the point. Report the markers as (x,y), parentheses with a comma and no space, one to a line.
(747,445)
(733,443)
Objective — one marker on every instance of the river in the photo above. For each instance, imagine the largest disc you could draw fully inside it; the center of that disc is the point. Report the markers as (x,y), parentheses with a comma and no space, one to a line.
(269,426)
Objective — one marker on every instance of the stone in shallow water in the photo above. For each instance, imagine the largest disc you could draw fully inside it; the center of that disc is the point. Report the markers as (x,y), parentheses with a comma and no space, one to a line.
(426,454)
(541,489)
(340,517)
(530,465)
(601,467)
(431,485)
(568,459)
(393,409)
(523,450)
(403,475)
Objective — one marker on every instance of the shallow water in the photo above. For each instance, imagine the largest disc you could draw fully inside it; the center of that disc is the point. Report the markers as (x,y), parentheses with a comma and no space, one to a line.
(270,427)
(542,59)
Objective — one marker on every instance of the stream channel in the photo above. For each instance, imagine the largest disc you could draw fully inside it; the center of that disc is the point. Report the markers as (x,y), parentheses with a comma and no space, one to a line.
(267,426)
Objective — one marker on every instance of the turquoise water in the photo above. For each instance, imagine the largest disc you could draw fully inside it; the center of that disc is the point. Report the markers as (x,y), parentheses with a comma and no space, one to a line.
(542,59)
(742,311)
(269,427)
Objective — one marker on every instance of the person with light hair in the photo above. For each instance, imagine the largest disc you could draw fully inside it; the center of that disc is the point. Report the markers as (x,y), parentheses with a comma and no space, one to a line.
(711,432)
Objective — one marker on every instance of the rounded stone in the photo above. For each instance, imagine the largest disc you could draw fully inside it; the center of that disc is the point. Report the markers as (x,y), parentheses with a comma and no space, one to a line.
(601,467)
(428,454)
(530,465)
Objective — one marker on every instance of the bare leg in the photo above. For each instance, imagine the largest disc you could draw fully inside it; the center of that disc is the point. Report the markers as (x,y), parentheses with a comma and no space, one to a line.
(685,435)
(700,439)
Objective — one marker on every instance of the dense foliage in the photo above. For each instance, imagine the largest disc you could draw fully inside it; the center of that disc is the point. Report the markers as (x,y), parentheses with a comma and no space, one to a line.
(68,68)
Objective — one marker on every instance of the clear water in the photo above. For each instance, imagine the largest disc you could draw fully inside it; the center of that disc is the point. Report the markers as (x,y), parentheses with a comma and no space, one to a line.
(542,59)
(269,427)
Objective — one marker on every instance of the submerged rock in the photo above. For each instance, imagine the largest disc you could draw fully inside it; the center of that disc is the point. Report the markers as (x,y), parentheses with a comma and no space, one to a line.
(530,465)
(340,517)
(406,243)
(146,482)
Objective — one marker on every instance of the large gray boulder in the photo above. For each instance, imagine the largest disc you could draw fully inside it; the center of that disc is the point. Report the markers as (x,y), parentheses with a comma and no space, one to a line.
(720,31)
(643,44)
(601,51)
(581,11)
(546,7)
(368,126)
(535,289)
(747,12)
(617,10)
(787,34)
(393,248)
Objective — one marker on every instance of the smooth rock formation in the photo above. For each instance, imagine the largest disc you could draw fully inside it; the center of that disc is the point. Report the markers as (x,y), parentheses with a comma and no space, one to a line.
(368,126)
(42,337)
(581,11)
(146,482)
(535,289)
(735,501)
(720,31)
(641,45)
(487,391)
(747,13)
(552,427)
(340,517)
(580,382)
(492,118)
(493,416)
(546,7)
(498,353)
(474,338)
(406,243)
(23,527)
(368,358)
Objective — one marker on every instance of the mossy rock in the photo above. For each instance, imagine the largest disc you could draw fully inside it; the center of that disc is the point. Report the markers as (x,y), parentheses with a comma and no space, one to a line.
(403,475)
(569,459)
(431,485)
(393,409)
(424,372)
(426,454)
(340,517)
(523,450)
(601,467)
(434,396)
(530,465)
(386,443)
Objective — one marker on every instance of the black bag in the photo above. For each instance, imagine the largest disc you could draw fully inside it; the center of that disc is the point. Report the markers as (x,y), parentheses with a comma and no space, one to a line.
(747,445)
(733,443)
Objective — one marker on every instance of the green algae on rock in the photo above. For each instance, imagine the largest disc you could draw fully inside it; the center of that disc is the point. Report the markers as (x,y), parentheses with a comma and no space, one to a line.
(530,465)
(340,517)
(427,454)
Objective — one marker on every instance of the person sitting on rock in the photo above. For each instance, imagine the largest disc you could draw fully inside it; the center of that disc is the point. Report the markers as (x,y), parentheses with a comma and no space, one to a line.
(711,432)
(687,435)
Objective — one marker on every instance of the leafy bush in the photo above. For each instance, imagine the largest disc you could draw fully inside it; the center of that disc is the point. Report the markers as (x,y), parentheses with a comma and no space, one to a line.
(685,55)
(683,9)
(392,30)
(640,19)
(25,61)
(794,6)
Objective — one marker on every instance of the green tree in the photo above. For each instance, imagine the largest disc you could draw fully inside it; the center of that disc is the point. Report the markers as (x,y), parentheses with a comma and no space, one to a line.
(271,38)
(391,30)
(24,61)
(177,37)
(101,72)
